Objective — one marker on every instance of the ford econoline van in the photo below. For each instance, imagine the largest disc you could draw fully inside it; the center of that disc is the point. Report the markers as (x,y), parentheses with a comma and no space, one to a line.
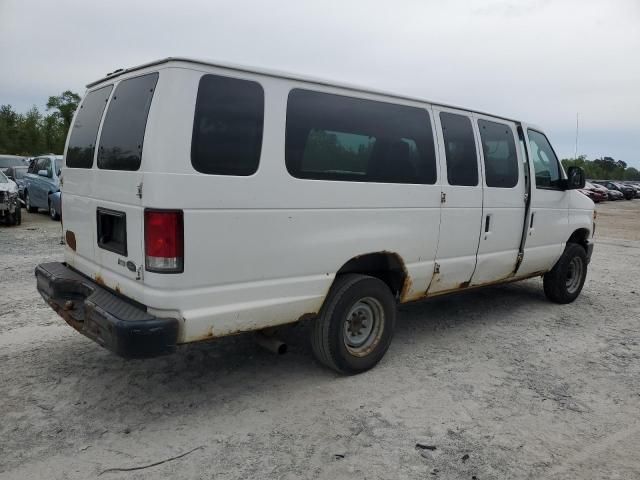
(202,200)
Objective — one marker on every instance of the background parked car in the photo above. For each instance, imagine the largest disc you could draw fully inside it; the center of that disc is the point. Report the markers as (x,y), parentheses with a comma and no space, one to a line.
(600,188)
(595,194)
(10,211)
(636,187)
(626,191)
(41,182)
(595,198)
(615,195)
(7,161)
(18,175)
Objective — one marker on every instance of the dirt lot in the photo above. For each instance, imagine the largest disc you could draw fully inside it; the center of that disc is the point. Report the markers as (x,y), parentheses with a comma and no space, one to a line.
(501,382)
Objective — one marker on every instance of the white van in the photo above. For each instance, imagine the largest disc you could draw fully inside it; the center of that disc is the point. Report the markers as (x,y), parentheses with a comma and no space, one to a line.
(202,200)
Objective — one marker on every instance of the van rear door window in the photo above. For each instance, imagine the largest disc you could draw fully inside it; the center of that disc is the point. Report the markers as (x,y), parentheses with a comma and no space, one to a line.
(82,142)
(500,156)
(334,137)
(227,126)
(125,123)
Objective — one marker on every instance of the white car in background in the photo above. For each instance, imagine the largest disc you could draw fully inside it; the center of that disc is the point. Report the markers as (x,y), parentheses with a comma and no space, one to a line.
(10,208)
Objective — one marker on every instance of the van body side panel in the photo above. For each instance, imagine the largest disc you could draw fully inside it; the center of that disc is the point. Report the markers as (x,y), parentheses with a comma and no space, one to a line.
(263,250)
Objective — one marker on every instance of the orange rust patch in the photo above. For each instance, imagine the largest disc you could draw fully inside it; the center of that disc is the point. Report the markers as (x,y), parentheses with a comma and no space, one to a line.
(406,287)
(99,279)
(118,289)
(70,239)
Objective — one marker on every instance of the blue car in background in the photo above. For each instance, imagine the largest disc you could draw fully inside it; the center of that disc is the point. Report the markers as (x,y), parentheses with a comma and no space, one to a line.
(42,185)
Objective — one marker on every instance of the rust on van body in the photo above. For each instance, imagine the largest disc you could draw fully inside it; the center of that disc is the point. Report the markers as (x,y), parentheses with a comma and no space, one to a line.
(467,286)
(70,239)
(99,279)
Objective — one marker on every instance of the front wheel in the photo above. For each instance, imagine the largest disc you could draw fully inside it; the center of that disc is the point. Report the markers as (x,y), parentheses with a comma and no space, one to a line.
(53,213)
(564,282)
(355,325)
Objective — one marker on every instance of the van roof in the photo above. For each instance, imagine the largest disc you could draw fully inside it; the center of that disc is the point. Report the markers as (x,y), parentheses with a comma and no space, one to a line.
(290,76)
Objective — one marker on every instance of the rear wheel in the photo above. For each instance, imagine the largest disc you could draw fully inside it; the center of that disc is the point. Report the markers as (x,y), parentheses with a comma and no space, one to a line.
(564,282)
(356,323)
(27,201)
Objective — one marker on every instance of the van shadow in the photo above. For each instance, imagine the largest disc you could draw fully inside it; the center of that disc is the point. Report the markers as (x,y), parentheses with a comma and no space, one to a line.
(229,374)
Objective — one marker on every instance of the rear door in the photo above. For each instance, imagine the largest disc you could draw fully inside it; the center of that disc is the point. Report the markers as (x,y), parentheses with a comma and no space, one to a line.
(104,180)
(461,210)
(504,200)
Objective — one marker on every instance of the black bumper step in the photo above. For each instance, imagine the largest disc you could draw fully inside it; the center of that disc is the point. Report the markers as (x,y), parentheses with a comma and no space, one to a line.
(118,324)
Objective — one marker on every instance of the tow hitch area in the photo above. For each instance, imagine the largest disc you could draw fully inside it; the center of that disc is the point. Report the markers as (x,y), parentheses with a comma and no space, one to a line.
(118,324)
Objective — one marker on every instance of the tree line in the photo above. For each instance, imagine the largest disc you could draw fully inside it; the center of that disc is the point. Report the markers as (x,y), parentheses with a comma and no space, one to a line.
(34,132)
(605,168)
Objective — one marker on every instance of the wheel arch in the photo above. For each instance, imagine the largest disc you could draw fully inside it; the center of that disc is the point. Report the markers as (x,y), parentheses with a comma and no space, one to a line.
(386,266)
(580,236)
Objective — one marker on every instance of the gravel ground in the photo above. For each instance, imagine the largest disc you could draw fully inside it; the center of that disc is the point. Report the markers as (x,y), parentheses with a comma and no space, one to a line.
(498,383)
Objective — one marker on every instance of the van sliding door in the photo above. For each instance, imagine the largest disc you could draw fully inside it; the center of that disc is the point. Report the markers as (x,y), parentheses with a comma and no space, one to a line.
(461,208)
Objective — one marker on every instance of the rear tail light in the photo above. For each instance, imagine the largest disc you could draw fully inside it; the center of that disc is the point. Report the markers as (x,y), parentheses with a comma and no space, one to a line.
(164,241)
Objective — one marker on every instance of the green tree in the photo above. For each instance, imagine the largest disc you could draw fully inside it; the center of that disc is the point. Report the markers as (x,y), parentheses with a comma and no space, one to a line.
(8,129)
(64,106)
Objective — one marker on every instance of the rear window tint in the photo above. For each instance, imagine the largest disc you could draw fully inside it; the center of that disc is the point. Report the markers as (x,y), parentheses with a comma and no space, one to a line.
(334,137)
(82,142)
(227,126)
(460,149)
(500,156)
(125,122)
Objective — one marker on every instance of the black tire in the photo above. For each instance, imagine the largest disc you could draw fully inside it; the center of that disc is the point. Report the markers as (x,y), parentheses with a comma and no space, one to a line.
(564,282)
(27,202)
(17,216)
(53,214)
(351,298)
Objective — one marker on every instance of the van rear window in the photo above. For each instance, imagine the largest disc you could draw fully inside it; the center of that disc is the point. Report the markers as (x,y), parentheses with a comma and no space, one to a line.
(334,137)
(82,142)
(125,123)
(227,126)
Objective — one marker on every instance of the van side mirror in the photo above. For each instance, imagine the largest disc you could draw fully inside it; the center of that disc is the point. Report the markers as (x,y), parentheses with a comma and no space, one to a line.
(575,178)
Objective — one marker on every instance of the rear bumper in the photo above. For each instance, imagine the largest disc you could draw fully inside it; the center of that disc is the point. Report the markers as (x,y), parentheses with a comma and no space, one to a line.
(118,324)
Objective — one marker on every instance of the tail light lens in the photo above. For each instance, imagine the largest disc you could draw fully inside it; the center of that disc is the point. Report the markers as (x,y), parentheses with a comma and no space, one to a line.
(164,241)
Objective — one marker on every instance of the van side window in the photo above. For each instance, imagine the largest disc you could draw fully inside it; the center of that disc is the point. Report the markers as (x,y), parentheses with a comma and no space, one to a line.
(333,137)
(125,123)
(500,156)
(460,149)
(84,133)
(227,126)
(545,161)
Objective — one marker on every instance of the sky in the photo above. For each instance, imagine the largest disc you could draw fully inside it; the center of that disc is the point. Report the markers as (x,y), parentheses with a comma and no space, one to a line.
(540,61)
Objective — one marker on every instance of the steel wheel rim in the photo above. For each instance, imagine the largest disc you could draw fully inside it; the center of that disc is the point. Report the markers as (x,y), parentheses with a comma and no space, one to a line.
(363,326)
(574,274)
(52,211)
(28,201)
